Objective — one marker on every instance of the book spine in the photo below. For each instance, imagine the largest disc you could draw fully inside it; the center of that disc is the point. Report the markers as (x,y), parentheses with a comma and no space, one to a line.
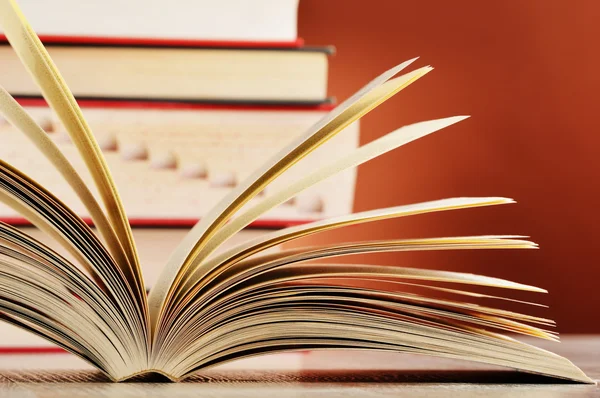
(158,103)
(123,42)
(160,42)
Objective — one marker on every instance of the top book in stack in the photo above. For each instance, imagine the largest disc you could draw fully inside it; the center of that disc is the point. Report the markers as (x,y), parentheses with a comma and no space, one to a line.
(248,53)
(224,20)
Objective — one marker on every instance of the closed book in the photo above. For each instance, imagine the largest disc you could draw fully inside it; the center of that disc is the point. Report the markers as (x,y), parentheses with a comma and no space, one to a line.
(223,20)
(173,161)
(178,70)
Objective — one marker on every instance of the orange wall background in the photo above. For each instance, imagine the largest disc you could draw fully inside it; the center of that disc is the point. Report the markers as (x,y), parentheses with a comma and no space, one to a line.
(529,74)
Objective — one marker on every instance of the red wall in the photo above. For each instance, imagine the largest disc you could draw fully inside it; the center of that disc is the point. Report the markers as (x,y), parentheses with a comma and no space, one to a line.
(529,74)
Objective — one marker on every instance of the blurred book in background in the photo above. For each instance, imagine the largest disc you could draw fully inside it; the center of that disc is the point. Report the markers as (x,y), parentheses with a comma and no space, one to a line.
(182,112)
(173,162)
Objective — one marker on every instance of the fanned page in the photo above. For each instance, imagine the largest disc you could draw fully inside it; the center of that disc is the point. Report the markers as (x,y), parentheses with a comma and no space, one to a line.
(365,100)
(207,308)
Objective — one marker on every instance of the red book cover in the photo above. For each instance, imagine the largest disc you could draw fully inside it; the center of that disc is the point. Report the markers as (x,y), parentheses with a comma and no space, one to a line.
(160,42)
(31,350)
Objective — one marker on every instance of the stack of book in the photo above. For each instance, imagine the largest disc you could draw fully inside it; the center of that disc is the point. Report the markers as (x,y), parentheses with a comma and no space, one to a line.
(184,104)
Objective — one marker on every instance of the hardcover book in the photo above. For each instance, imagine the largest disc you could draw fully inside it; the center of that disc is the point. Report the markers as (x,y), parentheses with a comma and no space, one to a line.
(196,70)
(172,162)
(207,309)
(273,21)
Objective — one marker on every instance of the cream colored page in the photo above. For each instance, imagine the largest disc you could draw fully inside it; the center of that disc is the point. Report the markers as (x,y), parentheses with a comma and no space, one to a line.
(344,279)
(360,297)
(35,253)
(50,215)
(32,290)
(40,294)
(365,100)
(36,59)
(268,261)
(361,155)
(269,327)
(398,335)
(257,245)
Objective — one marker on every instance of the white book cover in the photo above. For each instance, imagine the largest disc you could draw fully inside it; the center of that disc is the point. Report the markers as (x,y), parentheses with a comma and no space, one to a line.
(224,20)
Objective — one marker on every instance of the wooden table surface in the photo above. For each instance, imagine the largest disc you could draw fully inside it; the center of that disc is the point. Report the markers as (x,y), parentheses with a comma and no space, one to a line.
(337,374)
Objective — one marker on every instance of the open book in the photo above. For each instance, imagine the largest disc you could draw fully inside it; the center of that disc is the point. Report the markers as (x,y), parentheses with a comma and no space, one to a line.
(207,309)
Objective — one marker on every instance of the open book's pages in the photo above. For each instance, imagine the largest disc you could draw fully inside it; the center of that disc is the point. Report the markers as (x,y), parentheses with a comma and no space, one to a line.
(154,245)
(174,162)
(210,307)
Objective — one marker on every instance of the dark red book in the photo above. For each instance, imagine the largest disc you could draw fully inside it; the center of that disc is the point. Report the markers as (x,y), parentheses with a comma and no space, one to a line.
(154,42)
